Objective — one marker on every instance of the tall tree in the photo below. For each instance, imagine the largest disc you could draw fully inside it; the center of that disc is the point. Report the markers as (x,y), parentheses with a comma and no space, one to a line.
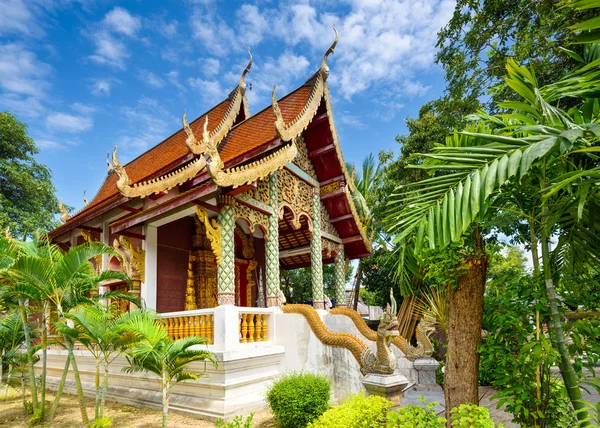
(27,201)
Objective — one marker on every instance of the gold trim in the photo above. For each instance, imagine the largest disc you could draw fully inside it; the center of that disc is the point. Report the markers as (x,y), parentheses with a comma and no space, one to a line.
(133,260)
(213,233)
(155,185)
(246,174)
(247,242)
(64,213)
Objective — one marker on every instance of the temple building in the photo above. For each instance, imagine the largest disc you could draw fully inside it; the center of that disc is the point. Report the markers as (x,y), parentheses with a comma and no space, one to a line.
(206,221)
(214,212)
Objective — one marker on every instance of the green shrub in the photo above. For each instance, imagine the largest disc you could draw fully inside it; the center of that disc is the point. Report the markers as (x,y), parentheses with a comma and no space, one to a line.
(439,374)
(237,422)
(471,416)
(298,399)
(416,417)
(103,422)
(356,412)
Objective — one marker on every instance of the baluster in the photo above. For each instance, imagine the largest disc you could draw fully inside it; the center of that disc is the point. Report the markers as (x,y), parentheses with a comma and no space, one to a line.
(251,329)
(210,329)
(169,329)
(179,327)
(196,324)
(244,328)
(264,327)
(186,326)
(203,327)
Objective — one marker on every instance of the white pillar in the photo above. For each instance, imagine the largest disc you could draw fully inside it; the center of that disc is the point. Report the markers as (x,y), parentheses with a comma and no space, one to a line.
(149,286)
(227,327)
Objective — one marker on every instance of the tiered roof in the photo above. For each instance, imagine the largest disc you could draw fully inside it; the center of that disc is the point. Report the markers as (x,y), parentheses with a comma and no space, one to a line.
(244,140)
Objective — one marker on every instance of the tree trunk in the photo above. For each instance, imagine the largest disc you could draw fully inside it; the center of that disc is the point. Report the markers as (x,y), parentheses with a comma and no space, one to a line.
(357,287)
(104,389)
(165,398)
(59,391)
(23,393)
(566,368)
(10,370)
(80,395)
(33,386)
(465,313)
(1,363)
(44,359)
(97,397)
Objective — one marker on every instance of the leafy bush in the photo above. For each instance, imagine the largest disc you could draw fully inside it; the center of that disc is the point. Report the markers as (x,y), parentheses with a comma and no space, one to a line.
(299,398)
(103,422)
(439,373)
(237,422)
(416,417)
(356,412)
(471,416)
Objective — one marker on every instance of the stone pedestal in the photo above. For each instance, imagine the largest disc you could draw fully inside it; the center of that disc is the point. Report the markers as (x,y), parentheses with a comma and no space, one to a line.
(426,368)
(388,386)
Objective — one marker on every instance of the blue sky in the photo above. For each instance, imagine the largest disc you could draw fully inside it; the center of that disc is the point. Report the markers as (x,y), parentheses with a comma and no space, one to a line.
(86,75)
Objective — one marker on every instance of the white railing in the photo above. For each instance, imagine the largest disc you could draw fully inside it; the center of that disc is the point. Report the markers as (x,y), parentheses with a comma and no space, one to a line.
(254,324)
(200,322)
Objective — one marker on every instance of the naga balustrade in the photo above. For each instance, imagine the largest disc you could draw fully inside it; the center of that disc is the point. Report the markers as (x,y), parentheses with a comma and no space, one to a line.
(254,324)
(199,322)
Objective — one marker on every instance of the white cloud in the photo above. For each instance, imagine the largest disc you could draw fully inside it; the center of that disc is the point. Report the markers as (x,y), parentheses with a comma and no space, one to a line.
(45,144)
(68,123)
(173,78)
(103,86)
(109,50)
(19,17)
(213,32)
(147,124)
(121,21)
(351,120)
(168,29)
(210,66)
(83,108)
(21,72)
(28,107)
(210,91)
(151,79)
(415,88)
(251,24)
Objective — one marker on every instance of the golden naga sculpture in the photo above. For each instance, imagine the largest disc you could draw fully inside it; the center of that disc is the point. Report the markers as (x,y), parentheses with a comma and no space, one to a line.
(213,233)
(287,132)
(155,185)
(133,259)
(64,213)
(382,362)
(424,346)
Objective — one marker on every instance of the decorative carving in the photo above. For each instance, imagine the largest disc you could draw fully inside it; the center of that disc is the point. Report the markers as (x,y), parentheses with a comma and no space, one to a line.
(339,278)
(383,362)
(331,187)
(316,256)
(253,218)
(261,192)
(213,232)
(195,146)
(87,237)
(251,283)
(331,249)
(302,160)
(190,290)
(326,225)
(226,270)
(205,278)
(133,259)
(246,174)
(64,213)
(288,132)
(247,242)
(156,185)
(296,195)
(272,246)
(424,346)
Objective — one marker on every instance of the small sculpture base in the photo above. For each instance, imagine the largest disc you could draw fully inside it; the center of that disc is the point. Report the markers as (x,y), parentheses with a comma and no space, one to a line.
(387,386)
(426,368)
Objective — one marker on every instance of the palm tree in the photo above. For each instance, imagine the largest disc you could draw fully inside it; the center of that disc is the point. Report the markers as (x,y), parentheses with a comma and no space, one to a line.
(12,336)
(104,331)
(534,151)
(363,188)
(43,272)
(166,358)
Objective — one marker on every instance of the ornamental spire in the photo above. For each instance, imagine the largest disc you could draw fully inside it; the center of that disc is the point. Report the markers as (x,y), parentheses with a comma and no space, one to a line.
(324,66)
(246,70)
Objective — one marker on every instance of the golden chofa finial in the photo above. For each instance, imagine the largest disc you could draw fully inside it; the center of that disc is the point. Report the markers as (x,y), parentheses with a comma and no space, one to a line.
(85,201)
(246,70)
(324,66)
(64,213)
(108,164)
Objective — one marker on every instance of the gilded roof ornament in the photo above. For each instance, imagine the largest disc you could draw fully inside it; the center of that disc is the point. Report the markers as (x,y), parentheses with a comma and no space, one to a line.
(213,233)
(289,131)
(242,83)
(85,200)
(196,147)
(110,167)
(64,213)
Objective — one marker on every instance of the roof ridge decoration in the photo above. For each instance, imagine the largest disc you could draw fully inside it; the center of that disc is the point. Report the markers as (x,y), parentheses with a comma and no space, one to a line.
(237,98)
(158,184)
(288,132)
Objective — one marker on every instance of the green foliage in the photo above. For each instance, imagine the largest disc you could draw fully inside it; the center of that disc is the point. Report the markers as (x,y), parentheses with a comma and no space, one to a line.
(297,399)
(296,284)
(28,409)
(357,411)
(103,422)
(238,422)
(505,268)
(471,416)
(439,374)
(27,201)
(416,417)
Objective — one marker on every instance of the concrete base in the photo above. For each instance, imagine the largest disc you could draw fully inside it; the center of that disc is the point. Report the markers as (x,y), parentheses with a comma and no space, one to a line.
(426,368)
(388,386)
